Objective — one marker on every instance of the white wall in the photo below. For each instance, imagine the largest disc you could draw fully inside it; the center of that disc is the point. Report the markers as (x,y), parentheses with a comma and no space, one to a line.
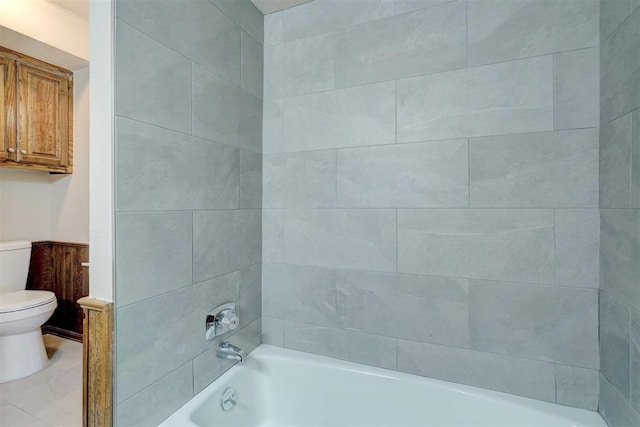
(25,203)
(35,205)
(46,22)
(101,159)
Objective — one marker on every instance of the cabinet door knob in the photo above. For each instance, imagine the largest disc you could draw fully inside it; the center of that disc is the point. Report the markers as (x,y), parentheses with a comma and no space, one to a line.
(23,151)
(11,150)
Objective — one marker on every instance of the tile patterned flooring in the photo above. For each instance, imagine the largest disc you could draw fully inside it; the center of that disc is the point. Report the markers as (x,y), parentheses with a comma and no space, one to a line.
(51,397)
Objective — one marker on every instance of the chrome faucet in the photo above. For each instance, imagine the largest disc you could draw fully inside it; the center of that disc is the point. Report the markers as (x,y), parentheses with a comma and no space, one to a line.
(226,350)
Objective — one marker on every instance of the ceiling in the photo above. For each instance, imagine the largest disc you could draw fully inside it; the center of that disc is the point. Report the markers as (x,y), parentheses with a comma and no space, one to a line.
(270,6)
(79,7)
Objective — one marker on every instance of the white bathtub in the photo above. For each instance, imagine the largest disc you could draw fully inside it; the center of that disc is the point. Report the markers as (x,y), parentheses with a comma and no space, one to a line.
(278,387)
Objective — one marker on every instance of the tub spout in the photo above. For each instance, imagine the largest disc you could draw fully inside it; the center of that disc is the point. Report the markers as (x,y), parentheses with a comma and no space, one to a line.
(226,350)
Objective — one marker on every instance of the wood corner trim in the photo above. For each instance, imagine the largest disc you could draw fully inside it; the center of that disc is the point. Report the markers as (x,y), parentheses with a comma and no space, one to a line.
(89,303)
(97,376)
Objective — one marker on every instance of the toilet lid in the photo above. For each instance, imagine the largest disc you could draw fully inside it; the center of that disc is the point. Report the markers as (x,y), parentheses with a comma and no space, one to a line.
(22,300)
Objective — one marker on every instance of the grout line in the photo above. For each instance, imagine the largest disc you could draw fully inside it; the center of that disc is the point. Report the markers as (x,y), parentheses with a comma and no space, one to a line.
(395,111)
(397,242)
(241,56)
(466,45)
(555,247)
(335,187)
(193,90)
(469,173)
(631,120)
(424,141)
(193,239)
(551,286)
(553,85)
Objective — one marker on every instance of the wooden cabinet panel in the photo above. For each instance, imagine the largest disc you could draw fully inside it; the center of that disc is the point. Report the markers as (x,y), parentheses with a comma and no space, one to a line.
(55,266)
(37,114)
(7,109)
(43,113)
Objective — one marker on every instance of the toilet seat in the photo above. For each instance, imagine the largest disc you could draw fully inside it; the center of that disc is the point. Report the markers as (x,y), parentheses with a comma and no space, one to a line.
(23,300)
(22,304)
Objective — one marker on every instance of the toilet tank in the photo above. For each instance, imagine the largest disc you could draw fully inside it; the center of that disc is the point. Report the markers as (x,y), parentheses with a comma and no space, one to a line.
(14,265)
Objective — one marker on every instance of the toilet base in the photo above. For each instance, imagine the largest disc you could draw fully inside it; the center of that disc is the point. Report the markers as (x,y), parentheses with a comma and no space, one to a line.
(22,355)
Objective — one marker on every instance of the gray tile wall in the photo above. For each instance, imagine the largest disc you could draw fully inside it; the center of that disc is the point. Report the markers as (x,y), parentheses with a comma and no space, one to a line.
(620,212)
(188,102)
(431,183)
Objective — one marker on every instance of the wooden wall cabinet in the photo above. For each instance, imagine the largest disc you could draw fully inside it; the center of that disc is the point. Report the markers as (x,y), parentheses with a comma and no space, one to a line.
(36,115)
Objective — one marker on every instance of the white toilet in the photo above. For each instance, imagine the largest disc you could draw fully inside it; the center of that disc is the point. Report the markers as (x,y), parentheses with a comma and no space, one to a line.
(22,312)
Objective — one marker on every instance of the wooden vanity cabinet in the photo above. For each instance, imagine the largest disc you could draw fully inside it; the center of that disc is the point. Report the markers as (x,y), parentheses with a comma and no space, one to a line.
(8,94)
(37,114)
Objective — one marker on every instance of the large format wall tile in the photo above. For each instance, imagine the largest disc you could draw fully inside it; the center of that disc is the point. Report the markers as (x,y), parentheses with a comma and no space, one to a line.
(160,334)
(523,377)
(273,331)
(500,30)
(634,342)
(245,14)
(577,247)
(188,89)
(225,241)
(158,169)
(614,343)
(300,180)
(549,169)
(497,99)
(342,344)
(612,13)
(152,82)
(615,163)
(422,308)
(301,66)
(250,179)
(225,113)
(619,255)
(195,29)
(577,387)
(153,254)
(341,118)
(303,294)
(272,126)
(273,29)
(404,6)
(635,163)
(505,245)
(577,89)
(615,409)
(425,41)
(272,235)
(546,323)
(620,70)
(252,66)
(358,239)
(250,294)
(322,16)
(155,403)
(430,174)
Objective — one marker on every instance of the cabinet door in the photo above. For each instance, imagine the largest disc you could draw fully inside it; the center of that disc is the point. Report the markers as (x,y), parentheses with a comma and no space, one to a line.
(7,109)
(43,117)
